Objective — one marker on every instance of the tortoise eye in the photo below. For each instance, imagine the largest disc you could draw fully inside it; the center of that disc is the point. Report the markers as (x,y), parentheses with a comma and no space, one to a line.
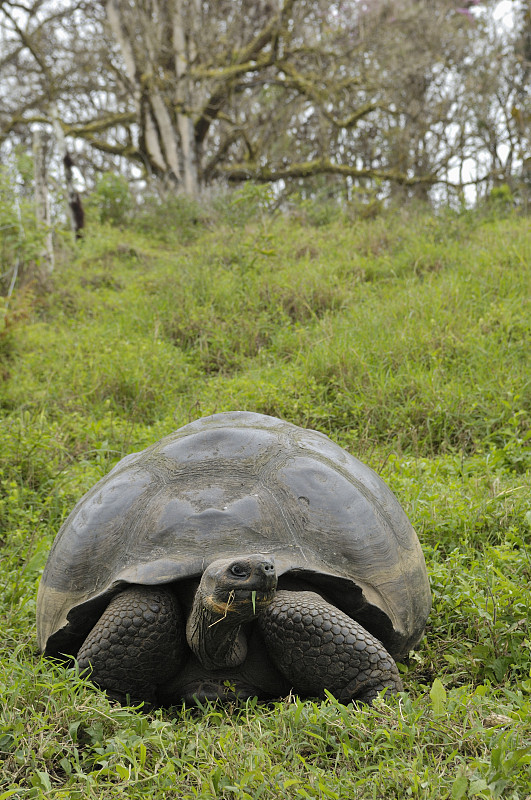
(238,571)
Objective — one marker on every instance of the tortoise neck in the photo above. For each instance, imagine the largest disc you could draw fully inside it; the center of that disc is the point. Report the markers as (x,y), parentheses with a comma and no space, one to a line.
(214,633)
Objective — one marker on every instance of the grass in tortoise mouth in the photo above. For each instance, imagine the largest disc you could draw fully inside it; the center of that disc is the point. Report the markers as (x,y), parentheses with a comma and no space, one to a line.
(266,596)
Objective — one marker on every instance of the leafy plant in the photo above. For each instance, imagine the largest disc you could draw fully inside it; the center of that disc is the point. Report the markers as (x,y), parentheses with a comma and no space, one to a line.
(21,240)
(111,199)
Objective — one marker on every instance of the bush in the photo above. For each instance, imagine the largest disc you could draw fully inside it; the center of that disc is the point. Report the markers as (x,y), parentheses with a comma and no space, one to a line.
(174,218)
(111,199)
(21,240)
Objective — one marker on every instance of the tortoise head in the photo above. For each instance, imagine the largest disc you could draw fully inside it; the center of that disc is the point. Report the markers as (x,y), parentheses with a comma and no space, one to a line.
(238,586)
(232,592)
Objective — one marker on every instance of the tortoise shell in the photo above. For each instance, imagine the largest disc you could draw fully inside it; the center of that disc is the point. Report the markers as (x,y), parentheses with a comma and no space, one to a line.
(230,484)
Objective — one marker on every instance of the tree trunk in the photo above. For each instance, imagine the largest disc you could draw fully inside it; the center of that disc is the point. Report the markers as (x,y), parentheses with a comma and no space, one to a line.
(167,135)
(185,123)
(76,213)
(42,204)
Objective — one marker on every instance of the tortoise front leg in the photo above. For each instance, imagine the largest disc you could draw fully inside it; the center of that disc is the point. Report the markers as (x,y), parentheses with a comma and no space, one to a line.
(317,647)
(137,644)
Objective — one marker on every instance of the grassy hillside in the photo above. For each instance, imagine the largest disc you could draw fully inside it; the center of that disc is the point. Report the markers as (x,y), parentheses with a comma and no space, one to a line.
(405,338)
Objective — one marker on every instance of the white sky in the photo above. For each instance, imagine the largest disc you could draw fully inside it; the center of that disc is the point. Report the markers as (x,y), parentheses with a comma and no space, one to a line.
(504,13)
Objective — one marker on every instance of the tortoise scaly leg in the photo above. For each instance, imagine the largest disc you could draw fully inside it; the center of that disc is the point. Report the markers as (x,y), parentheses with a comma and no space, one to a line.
(317,647)
(137,644)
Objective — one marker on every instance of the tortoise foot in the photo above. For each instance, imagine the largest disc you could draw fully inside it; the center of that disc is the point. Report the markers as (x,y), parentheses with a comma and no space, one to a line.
(317,647)
(137,644)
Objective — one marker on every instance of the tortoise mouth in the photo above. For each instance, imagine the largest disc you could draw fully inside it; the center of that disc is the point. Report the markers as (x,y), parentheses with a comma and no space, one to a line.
(240,601)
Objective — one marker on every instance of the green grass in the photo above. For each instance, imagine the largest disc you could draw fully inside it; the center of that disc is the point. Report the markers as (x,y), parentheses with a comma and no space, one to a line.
(406,338)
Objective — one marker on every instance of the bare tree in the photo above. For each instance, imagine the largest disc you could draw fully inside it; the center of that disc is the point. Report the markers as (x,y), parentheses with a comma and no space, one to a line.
(194,91)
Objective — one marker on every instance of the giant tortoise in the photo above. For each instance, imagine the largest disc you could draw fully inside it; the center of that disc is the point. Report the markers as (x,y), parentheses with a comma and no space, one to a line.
(239,556)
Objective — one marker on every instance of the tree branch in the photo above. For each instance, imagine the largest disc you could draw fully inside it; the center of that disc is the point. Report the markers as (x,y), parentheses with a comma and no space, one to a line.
(85,129)
(322,166)
(308,88)
(244,60)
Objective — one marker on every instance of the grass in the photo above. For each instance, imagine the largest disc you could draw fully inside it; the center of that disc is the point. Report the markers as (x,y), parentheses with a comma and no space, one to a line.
(406,339)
